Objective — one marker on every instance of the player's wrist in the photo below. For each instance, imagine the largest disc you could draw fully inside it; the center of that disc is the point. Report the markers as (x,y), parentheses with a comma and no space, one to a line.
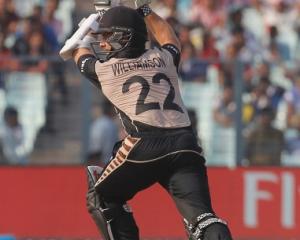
(144,10)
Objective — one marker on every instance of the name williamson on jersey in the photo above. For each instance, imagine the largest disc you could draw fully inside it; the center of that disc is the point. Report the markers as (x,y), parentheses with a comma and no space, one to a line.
(147,64)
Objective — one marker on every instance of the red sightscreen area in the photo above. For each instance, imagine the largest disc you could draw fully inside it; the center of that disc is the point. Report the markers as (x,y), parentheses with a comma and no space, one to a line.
(50,202)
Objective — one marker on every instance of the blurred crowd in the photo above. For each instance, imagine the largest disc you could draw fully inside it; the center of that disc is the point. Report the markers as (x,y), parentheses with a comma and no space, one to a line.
(262,35)
(30,71)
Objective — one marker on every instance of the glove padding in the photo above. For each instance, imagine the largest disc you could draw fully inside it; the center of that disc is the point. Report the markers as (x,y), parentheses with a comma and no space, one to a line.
(93,173)
(90,24)
(104,5)
(135,4)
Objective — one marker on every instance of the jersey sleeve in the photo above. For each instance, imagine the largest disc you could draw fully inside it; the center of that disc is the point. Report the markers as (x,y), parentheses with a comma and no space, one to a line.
(86,65)
(174,52)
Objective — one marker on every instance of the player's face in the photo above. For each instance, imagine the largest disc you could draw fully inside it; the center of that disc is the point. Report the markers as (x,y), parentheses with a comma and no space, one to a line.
(105,46)
(103,42)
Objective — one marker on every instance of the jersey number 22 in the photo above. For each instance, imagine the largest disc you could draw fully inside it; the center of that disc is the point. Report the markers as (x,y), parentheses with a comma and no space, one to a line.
(141,106)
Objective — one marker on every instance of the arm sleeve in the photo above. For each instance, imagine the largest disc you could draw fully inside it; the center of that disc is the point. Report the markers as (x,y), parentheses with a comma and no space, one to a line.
(86,65)
(174,52)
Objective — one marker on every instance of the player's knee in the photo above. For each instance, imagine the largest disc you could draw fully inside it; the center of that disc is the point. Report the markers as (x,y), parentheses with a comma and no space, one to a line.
(114,221)
(217,231)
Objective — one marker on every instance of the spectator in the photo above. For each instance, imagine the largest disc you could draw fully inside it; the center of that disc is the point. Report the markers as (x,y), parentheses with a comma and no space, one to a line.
(184,35)
(235,18)
(223,152)
(209,51)
(224,111)
(297,29)
(278,51)
(104,134)
(244,44)
(238,48)
(12,138)
(253,19)
(192,68)
(10,29)
(4,65)
(265,143)
(57,67)
(292,98)
(37,48)
(208,13)
(49,18)
(4,53)
(262,95)
(30,74)
(23,45)
(292,144)
(32,45)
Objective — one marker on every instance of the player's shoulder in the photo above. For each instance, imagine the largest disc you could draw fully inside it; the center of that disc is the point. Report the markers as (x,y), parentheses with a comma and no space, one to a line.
(157,51)
(153,50)
(169,52)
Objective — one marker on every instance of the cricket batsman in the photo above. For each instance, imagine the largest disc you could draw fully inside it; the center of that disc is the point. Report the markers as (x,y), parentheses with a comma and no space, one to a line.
(142,84)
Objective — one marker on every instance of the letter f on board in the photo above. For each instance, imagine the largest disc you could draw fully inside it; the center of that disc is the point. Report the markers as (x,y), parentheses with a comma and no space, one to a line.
(253,194)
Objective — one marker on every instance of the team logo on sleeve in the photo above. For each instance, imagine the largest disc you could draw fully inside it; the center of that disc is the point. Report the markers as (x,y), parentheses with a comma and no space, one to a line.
(83,65)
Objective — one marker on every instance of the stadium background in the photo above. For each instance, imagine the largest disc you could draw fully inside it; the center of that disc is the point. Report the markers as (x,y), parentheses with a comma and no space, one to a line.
(239,78)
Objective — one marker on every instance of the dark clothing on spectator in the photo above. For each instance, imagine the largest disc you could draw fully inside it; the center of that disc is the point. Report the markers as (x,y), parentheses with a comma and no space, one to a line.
(265,146)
